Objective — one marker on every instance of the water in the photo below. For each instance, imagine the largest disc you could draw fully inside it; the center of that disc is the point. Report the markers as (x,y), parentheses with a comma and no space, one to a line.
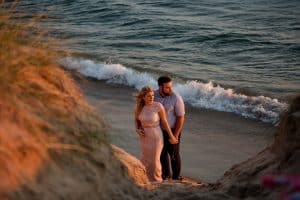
(250,48)
(198,94)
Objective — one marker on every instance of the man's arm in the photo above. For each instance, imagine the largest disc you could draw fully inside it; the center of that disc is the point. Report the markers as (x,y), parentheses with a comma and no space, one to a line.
(180,112)
(178,126)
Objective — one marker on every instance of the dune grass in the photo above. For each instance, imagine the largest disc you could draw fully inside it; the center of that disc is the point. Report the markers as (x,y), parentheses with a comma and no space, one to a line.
(41,108)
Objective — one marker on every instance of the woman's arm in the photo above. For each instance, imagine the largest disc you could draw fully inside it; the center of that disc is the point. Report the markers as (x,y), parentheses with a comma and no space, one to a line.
(165,123)
(138,125)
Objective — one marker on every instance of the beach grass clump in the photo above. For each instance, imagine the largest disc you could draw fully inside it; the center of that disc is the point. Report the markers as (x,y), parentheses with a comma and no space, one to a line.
(42,111)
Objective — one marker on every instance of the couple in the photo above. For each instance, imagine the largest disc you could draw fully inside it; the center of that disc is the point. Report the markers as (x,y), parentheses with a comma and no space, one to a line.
(159,118)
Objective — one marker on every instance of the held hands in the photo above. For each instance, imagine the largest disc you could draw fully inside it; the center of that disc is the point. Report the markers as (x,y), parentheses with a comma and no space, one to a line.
(173,140)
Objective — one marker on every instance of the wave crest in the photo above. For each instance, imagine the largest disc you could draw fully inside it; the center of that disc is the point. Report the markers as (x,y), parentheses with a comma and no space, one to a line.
(198,94)
(206,95)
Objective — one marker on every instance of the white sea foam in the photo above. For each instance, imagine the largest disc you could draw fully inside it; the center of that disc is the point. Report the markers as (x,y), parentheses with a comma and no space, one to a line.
(112,73)
(201,95)
(206,95)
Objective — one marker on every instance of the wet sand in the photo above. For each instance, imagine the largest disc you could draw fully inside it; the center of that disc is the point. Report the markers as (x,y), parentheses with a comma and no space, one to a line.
(211,142)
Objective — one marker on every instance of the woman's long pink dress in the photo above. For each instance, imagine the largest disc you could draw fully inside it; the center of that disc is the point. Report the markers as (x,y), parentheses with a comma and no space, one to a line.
(152,142)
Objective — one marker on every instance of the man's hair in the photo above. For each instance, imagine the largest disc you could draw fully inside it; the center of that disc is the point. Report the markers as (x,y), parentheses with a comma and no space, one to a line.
(163,79)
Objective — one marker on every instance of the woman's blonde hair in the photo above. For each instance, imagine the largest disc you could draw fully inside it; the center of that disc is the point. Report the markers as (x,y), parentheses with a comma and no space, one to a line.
(140,103)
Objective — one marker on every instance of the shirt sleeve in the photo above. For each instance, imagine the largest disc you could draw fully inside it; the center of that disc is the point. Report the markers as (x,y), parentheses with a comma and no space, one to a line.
(179,106)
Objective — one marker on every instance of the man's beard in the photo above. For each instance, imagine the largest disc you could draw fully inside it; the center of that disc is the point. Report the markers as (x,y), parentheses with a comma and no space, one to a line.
(166,94)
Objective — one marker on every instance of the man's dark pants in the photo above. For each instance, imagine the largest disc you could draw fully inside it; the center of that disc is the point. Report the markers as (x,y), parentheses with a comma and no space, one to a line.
(171,150)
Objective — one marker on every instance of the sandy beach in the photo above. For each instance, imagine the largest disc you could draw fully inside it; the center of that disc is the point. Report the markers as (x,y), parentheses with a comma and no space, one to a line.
(211,141)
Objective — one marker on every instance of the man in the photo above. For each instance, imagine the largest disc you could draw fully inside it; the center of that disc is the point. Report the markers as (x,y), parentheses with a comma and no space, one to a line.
(175,111)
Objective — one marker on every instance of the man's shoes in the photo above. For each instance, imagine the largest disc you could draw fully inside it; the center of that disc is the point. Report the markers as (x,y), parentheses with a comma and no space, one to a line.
(165,178)
(173,180)
(180,178)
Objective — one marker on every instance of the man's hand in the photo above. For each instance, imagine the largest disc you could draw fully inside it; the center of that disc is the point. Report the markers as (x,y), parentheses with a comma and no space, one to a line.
(176,136)
(173,140)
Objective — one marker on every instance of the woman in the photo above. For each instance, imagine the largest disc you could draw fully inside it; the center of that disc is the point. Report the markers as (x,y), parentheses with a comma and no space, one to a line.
(148,116)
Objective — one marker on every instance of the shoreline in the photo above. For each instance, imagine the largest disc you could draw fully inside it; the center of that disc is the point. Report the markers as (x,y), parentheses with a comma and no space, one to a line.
(212,141)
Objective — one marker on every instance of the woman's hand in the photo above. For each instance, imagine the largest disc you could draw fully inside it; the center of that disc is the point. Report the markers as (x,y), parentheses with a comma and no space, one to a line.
(140,131)
(173,140)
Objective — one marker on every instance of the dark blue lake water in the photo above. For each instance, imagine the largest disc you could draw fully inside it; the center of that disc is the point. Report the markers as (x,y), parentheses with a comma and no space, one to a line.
(252,47)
